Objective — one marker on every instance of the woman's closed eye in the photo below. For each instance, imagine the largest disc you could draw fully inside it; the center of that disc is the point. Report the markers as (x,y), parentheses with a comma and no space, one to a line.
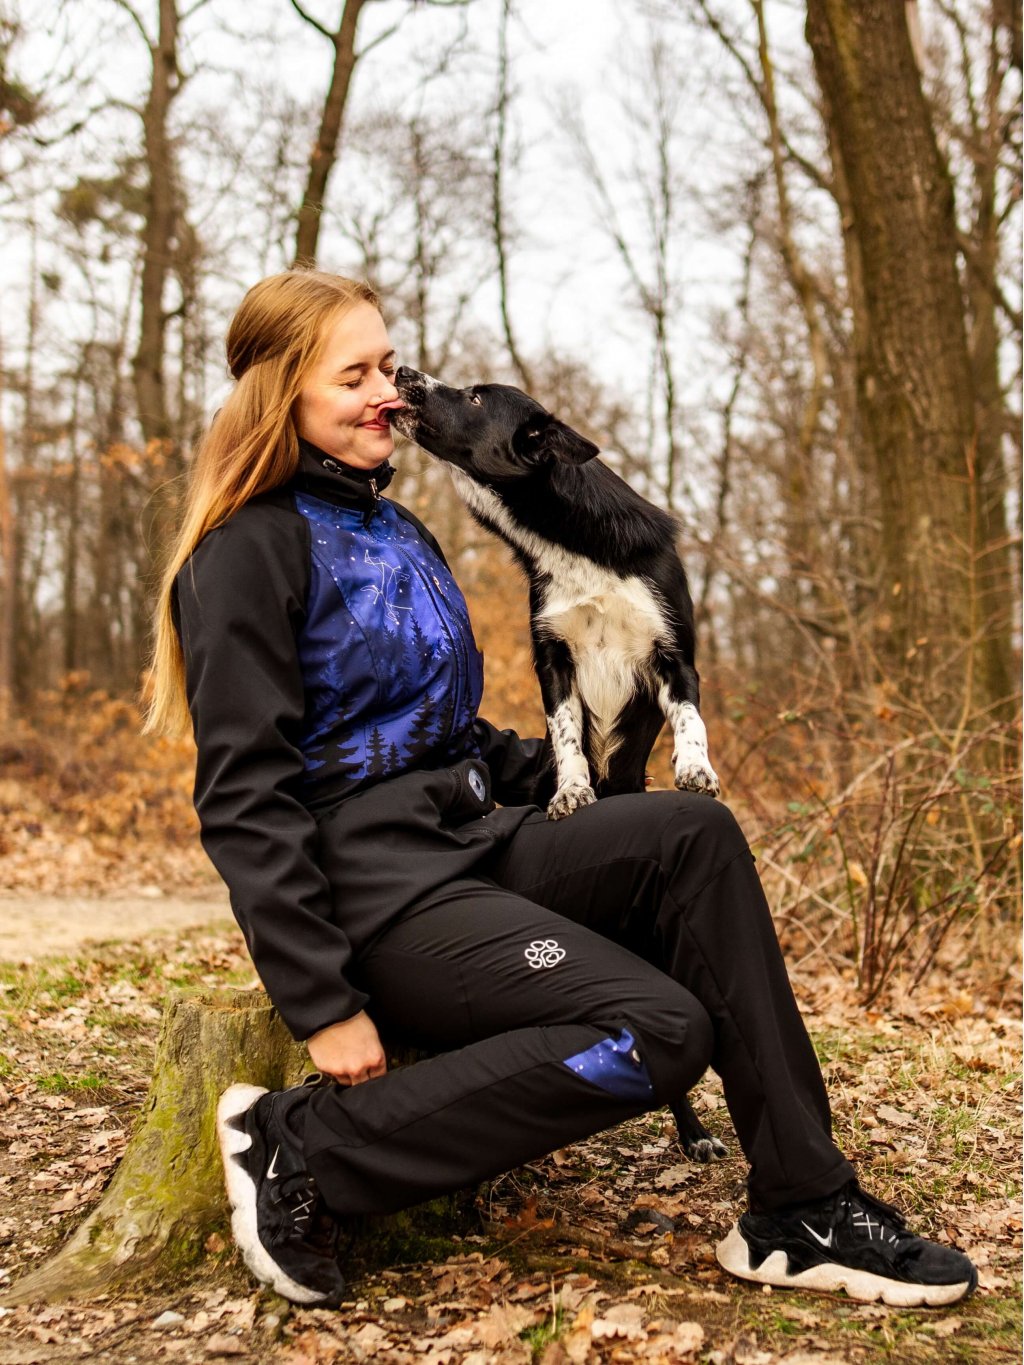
(386,370)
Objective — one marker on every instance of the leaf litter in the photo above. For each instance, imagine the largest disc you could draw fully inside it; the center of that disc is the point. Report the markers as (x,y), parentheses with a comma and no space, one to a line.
(600,1252)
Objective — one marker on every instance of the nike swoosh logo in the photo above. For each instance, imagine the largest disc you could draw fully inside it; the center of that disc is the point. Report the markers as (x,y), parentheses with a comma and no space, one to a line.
(272,1168)
(822,1241)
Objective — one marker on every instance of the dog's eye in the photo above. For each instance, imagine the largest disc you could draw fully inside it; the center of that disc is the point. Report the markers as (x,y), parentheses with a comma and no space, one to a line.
(475,399)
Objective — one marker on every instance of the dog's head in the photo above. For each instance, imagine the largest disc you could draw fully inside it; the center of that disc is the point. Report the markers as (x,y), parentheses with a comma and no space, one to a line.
(491,431)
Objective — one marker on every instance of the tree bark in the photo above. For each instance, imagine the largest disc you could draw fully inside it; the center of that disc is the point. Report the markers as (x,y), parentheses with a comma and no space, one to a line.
(158,231)
(167,1195)
(995,576)
(8,601)
(325,149)
(915,384)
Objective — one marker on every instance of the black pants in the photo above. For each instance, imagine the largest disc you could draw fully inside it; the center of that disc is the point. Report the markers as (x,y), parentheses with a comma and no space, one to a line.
(595,972)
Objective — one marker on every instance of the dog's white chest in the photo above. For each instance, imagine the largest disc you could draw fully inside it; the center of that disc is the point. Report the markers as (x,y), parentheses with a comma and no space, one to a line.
(610,625)
(597,613)
(608,622)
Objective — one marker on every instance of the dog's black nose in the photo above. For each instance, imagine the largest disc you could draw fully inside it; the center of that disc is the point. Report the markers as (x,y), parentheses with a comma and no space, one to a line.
(404,375)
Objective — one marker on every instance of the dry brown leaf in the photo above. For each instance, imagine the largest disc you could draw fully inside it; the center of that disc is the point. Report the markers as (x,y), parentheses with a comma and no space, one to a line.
(578,1339)
(674,1176)
(503,1322)
(688,1338)
(224,1344)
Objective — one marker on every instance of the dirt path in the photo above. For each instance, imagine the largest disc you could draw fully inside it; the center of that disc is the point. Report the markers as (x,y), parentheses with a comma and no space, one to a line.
(43,926)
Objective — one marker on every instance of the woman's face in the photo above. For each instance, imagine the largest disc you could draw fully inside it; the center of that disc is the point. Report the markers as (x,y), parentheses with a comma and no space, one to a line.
(339,408)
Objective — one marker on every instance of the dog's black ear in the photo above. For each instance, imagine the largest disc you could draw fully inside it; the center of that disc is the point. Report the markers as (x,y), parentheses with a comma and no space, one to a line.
(545,436)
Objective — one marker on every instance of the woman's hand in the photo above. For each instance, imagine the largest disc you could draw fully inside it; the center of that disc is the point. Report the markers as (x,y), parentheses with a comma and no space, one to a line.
(349,1051)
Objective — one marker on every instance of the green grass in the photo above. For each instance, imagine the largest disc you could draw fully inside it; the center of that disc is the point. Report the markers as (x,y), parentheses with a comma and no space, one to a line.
(541,1336)
(57,1083)
(42,985)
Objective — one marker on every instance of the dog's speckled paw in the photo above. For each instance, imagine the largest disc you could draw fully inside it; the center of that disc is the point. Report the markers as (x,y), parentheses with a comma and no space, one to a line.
(569,799)
(697,777)
(705,1149)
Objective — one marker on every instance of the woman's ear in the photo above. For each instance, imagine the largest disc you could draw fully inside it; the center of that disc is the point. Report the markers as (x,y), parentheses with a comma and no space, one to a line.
(545,437)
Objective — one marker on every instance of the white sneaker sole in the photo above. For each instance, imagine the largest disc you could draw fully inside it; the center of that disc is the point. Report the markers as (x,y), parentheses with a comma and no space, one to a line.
(242,1197)
(828,1278)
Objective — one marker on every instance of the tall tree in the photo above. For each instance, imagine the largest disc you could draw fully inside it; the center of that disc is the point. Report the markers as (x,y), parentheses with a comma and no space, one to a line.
(915,381)
(325,149)
(159,224)
(324,152)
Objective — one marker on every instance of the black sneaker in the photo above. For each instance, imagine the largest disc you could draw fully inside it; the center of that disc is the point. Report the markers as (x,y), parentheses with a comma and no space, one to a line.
(285,1234)
(847,1241)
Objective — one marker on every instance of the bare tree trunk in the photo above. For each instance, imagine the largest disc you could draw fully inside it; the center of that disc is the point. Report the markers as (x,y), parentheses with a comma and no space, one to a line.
(72,534)
(158,231)
(914,375)
(325,148)
(995,578)
(8,607)
(499,154)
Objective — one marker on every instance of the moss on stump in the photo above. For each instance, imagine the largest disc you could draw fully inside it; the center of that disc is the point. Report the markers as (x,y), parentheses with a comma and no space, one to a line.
(167,1195)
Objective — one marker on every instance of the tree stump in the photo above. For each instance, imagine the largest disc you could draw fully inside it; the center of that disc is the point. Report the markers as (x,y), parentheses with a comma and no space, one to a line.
(167,1194)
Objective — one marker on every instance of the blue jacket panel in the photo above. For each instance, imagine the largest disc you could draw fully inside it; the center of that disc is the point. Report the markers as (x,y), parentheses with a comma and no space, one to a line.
(392,674)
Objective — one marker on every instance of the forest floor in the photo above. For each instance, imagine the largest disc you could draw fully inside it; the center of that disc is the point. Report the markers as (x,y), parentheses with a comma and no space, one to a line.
(603,1252)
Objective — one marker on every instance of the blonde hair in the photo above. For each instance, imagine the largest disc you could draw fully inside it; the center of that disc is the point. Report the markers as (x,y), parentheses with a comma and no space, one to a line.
(274,340)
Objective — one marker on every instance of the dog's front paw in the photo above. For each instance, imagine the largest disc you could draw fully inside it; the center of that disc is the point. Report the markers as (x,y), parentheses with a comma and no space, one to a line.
(705,1149)
(575,794)
(697,777)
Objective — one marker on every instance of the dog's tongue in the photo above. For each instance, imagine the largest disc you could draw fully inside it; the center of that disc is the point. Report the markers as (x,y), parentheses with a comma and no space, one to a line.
(395,405)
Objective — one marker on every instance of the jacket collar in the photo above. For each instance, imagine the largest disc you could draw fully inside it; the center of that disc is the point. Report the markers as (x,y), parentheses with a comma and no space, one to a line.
(325,477)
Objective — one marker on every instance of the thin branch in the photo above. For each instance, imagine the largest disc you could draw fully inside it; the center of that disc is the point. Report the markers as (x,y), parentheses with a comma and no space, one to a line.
(813,173)
(381,37)
(130,11)
(313,23)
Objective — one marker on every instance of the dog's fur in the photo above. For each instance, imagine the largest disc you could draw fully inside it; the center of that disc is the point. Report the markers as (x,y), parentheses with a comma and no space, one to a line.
(610,611)
(611,616)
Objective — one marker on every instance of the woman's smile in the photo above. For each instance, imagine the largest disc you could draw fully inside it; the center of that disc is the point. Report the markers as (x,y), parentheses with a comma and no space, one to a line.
(343,406)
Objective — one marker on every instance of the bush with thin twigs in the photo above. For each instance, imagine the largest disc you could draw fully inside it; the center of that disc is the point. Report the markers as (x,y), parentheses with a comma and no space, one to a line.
(878,835)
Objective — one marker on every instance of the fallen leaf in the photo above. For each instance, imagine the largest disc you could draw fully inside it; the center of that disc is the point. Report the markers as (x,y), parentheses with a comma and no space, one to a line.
(947,1327)
(502,1323)
(224,1344)
(897,1116)
(688,1338)
(674,1176)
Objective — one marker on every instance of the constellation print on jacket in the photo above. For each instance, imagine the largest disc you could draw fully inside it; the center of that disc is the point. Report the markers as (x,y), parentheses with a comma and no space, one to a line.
(384,591)
(386,634)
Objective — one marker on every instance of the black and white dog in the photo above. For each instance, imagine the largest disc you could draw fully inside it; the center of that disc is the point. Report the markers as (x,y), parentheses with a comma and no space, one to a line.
(610,611)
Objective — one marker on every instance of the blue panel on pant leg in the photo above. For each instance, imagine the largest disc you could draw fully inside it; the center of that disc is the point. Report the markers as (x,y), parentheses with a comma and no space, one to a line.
(615,1065)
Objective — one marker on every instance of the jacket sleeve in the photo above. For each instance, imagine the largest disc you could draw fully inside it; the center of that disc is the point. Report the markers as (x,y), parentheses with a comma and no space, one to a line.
(240,601)
(522,773)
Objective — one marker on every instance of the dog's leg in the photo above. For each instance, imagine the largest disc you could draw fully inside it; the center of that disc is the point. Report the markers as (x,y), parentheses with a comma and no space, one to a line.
(694,1138)
(563,710)
(678,696)
(693,770)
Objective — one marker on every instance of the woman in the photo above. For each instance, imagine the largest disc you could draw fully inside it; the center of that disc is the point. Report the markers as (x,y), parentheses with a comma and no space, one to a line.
(569,974)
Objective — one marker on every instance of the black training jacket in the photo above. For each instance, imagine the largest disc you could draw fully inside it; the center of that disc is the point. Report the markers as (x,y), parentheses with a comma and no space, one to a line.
(334,681)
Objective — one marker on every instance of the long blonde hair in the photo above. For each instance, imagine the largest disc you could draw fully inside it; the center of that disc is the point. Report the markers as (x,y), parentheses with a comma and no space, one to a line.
(274,340)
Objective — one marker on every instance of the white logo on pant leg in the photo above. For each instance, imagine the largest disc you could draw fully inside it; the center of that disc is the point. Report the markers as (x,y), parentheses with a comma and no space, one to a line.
(544,952)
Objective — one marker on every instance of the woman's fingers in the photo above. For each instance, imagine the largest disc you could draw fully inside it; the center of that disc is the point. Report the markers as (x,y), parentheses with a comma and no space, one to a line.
(349,1051)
